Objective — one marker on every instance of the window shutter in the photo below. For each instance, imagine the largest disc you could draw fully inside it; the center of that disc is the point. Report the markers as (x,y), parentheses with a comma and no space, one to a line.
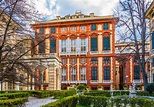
(86,44)
(106,43)
(59,46)
(68,45)
(93,44)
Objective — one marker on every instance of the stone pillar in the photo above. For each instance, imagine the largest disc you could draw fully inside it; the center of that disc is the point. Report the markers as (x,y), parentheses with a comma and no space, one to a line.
(33,87)
(17,86)
(41,79)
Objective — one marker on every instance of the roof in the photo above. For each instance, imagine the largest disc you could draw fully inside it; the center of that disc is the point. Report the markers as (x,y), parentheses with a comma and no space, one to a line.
(77,17)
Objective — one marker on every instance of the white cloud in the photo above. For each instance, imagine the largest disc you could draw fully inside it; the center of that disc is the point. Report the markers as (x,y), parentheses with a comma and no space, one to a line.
(52,8)
(99,7)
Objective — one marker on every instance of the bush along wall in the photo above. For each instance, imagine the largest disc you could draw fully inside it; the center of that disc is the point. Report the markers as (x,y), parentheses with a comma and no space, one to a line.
(55,93)
(18,102)
(98,101)
(70,101)
(15,95)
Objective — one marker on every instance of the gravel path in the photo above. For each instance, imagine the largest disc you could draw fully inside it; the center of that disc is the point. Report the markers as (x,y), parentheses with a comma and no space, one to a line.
(35,102)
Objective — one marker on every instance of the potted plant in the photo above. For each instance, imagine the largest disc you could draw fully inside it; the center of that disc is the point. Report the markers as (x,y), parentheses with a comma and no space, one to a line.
(125,87)
(138,86)
(99,87)
(80,88)
(87,87)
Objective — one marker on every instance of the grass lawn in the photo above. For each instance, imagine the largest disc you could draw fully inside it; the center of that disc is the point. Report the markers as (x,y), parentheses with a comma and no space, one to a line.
(81,106)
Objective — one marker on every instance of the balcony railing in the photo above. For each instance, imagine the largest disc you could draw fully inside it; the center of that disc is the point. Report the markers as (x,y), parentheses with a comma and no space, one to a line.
(75,82)
(93,52)
(44,55)
(106,81)
(106,51)
(137,81)
(93,81)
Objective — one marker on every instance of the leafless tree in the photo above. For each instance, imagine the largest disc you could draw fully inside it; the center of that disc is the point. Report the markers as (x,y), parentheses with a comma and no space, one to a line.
(133,28)
(15,15)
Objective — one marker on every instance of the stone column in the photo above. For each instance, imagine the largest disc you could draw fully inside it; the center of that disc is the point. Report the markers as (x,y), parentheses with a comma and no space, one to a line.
(41,79)
(17,86)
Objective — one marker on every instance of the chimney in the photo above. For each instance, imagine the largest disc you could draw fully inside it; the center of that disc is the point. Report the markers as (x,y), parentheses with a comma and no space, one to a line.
(91,14)
(58,17)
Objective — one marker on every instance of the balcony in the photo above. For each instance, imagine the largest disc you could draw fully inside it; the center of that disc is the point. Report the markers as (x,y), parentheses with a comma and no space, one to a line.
(44,55)
(106,81)
(106,52)
(75,82)
(94,81)
(93,52)
(137,81)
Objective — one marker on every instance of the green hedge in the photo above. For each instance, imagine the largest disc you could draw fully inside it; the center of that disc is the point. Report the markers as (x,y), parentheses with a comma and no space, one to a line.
(15,95)
(101,101)
(13,102)
(115,93)
(55,93)
(70,101)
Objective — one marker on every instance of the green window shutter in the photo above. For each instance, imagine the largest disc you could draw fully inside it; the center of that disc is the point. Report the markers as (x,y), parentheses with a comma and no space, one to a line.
(106,26)
(53,30)
(94,73)
(152,40)
(41,47)
(94,44)
(106,43)
(106,72)
(52,46)
(41,30)
(93,26)
(136,72)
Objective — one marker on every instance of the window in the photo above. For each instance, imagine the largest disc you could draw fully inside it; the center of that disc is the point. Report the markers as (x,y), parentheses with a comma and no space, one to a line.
(106,72)
(106,60)
(41,47)
(41,30)
(52,46)
(94,73)
(63,29)
(83,74)
(73,61)
(53,30)
(73,45)
(83,28)
(93,60)
(106,43)
(63,61)
(136,72)
(63,74)
(93,44)
(105,26)
(63,45)
(73,73)
(83,60)
(73,28)
(93,26)
(153,40)
(83,45)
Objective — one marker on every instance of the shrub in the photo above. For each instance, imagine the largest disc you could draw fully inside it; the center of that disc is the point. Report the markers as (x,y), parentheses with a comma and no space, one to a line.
(99,86)
(69,101)
(13,102)
(150,87)
(80,87)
